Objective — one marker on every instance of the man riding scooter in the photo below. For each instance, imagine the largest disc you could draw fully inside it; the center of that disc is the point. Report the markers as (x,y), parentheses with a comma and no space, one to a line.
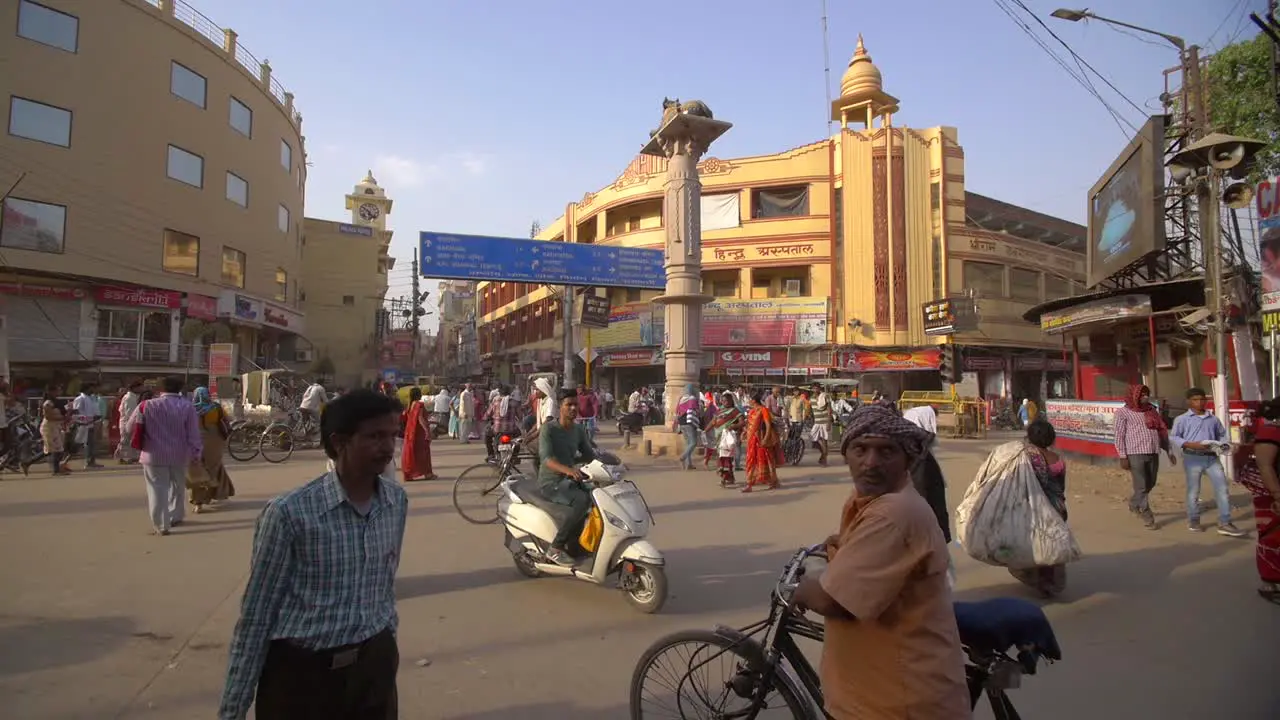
(561,446)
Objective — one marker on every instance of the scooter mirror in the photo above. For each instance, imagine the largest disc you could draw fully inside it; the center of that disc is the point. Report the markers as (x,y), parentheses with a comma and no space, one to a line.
(608,458)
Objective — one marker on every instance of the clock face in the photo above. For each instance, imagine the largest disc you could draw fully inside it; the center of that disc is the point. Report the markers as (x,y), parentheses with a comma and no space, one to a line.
(369,212)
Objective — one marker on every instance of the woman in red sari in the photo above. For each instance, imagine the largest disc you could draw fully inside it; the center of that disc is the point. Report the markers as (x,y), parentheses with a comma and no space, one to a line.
(415,460)
(763,449)
(1258,469)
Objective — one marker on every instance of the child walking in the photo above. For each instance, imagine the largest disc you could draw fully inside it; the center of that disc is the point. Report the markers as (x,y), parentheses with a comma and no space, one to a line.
(728,450)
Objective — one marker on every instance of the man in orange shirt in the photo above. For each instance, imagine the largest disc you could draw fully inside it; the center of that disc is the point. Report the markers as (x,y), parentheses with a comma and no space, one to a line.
(892,649)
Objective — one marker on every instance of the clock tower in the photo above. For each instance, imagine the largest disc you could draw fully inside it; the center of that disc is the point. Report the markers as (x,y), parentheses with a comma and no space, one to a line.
(369,204)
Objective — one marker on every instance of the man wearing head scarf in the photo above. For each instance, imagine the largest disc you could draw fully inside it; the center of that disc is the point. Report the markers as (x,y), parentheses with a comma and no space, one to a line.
(544,404)
(885,592)
(1140,436)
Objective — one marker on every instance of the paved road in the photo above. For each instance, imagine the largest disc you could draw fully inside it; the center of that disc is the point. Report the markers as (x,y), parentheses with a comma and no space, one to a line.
(99,619)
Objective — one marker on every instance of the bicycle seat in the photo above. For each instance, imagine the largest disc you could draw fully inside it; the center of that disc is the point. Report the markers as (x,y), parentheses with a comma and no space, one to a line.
(529,489)
(1001,623)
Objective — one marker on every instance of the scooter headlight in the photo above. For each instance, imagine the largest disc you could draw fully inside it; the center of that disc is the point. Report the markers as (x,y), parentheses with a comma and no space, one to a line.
(616,521)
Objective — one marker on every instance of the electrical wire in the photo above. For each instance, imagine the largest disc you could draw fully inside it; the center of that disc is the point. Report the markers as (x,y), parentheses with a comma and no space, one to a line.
(1225,19)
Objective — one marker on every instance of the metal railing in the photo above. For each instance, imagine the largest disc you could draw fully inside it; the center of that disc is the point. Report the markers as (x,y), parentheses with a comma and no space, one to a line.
(124,350)
(225,40)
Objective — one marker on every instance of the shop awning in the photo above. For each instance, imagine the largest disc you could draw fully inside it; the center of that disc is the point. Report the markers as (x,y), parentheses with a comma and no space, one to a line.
(1165,297)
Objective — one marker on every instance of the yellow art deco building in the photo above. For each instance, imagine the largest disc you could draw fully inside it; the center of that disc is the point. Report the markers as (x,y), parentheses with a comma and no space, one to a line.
(820,260)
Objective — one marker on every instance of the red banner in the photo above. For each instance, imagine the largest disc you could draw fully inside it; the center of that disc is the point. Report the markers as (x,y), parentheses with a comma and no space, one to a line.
(49,291)
(747,359)
(202,307)
(891,360)
(137,297)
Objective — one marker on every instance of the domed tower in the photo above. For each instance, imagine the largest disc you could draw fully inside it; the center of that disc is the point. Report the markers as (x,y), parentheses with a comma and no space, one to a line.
(862,96)
(369,204)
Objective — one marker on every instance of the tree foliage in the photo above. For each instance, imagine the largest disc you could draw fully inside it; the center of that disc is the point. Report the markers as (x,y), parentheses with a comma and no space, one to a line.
(322,365)
(1242,99)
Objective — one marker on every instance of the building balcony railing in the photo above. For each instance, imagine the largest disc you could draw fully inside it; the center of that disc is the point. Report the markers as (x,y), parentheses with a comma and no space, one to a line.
(125,350)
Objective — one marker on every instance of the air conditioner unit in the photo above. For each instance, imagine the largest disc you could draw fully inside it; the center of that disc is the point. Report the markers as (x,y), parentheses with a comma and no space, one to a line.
(305,355)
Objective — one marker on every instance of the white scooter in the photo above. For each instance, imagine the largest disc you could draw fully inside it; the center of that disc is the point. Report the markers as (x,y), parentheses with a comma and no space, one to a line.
(531,524)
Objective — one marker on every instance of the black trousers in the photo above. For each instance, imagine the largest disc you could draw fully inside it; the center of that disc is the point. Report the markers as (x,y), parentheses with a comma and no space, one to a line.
(1143,469)
(352,682)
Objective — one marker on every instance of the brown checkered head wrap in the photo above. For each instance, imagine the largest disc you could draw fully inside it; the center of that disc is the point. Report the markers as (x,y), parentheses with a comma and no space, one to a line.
(879,421)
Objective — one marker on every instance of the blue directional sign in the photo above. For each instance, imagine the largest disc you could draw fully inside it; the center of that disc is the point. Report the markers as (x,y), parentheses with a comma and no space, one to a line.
(478,257)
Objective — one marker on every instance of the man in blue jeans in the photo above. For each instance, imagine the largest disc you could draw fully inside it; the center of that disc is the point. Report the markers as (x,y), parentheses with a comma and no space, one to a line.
(1194,432)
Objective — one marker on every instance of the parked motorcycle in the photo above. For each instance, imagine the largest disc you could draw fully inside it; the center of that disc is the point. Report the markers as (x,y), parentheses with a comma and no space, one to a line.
(618,506)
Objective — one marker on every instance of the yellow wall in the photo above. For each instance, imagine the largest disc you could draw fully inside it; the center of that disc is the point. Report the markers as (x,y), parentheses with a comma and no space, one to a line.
(338,265)
(112,178)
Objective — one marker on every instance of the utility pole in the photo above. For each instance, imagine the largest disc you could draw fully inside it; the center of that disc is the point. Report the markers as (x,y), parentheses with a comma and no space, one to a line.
(414,321)
(566,302)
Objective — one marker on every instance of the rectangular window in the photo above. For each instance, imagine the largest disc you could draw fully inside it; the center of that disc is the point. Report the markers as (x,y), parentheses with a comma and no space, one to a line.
(286,156)
(282,285)
(181,253)
(935,223)
(633,295)
(232,267)
(986,278)
(1056,287)
(186,167)
(1024,285)
(349,300)
(37,121)
(188,84)
(48,26)
(282,219)
(780,202)
(237,190)
(241,118)
(31,225)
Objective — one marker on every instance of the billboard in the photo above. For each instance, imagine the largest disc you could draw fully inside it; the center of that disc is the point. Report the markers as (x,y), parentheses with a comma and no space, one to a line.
(1267,202)
(1126,205)
(725,323)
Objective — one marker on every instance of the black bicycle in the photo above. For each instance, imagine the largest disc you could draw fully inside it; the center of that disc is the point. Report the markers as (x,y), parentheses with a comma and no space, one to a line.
(476,491)
(766,670)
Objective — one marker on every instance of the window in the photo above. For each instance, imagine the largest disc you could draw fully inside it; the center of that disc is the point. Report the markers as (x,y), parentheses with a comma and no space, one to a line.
(48,26)
(241,118)
(780,202)
(282,219)
(181,253)
(282,285)
(232,267)
(986,278)
(186,167)
(633,295)
(349,300)
(286,156)
(37,121)
(237,190)
(1024,285)
(935,248)
(187,84)
(1056,287)
(31,225)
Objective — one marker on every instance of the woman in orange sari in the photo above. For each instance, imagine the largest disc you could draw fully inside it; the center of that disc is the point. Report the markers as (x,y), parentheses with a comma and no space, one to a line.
(763,448)
(415,459)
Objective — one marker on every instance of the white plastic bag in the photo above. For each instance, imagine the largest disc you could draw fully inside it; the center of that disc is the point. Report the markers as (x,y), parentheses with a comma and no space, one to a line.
(1005,519)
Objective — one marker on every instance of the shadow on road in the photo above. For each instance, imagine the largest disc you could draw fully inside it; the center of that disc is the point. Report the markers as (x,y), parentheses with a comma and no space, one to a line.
(700,582)
(33,644)
(1126,573)
(78,506)
(420,585)
(546,711)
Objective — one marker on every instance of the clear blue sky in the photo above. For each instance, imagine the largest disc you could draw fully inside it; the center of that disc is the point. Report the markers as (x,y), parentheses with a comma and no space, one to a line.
(483,116)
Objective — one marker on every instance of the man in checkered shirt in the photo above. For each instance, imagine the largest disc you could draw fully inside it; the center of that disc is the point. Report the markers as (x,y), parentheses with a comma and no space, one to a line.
(1140,436)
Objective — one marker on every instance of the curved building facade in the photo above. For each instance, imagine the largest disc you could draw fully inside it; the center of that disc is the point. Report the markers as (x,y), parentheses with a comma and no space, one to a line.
(157,172)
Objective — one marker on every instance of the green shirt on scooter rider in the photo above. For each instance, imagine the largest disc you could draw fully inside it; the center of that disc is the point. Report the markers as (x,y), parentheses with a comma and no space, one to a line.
(562,446)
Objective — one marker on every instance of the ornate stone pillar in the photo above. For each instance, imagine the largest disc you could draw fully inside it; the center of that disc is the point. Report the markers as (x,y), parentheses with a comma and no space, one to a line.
(686,133)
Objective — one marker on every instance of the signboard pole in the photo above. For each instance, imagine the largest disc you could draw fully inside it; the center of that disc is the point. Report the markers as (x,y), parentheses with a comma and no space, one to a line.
(566,292)
(587,345)
(1272,351)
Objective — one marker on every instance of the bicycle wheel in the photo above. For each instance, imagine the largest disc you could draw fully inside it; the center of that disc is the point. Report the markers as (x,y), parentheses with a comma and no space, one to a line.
(277,443)
(242,445)
(476,493)
(685,658)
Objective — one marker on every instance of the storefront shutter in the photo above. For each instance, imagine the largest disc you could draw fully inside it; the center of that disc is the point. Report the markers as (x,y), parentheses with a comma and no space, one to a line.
(49,336)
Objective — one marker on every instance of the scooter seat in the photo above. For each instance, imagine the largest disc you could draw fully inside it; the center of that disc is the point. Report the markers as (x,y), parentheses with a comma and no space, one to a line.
(1001,623)
(529,489)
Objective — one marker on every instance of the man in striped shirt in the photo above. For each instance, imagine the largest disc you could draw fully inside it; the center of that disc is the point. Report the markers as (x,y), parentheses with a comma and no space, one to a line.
(316,635)
(1140,436)
(170,442)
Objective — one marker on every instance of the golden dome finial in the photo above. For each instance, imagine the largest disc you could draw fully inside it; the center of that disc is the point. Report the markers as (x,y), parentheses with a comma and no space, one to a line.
(860,50)
(863,77)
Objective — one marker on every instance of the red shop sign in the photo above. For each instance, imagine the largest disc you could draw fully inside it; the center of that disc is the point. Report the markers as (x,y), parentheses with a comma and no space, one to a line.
(202,307)
(751,359)
(137,297)
(45,291)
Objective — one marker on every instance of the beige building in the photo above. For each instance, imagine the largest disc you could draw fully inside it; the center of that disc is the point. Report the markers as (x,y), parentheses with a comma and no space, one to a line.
(346,266)
(157,171)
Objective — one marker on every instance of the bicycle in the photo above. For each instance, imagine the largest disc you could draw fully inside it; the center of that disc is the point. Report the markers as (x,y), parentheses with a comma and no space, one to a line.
(243,440)
(774,664)
(797,439)
(287,436)
(484,480)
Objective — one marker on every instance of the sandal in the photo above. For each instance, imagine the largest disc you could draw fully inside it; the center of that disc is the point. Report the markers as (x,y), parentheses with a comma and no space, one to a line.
(1270,592)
